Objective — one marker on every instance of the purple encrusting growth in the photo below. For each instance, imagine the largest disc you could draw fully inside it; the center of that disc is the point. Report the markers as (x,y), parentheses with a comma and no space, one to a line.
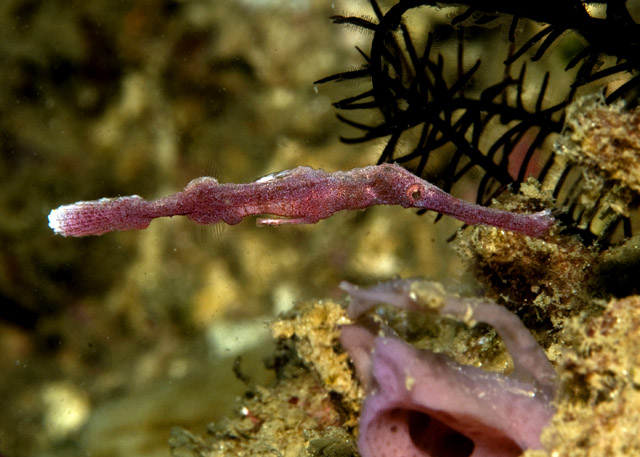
(422,404)
(299,196)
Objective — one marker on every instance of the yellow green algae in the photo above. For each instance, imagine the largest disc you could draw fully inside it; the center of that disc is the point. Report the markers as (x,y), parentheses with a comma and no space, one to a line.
(112,342)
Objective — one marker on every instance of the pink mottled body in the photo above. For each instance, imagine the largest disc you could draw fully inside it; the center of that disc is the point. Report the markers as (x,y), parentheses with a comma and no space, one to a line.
(299,196)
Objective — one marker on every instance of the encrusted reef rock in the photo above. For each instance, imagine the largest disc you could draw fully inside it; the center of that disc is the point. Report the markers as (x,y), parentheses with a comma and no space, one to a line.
(314,408)
(311,411)
(599,399)
(543,280)
(604,140)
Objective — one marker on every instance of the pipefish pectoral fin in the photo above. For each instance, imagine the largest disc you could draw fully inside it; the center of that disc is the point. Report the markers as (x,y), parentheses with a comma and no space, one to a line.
(277,221)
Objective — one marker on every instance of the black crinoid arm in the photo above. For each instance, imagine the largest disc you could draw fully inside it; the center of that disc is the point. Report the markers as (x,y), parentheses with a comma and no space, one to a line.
(474,94)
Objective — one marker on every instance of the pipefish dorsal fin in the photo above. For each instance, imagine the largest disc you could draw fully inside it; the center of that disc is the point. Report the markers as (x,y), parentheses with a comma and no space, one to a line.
(276,175)
(285,174)
(198,182)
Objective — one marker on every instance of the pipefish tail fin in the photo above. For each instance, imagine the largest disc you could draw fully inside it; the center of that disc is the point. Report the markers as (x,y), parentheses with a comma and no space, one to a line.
(100,216)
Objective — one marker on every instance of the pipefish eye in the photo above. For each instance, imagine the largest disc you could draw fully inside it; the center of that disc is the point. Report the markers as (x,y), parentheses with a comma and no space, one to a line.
(415,193)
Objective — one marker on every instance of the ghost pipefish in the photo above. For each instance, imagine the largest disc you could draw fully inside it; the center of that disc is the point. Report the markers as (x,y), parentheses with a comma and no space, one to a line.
(301,195)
